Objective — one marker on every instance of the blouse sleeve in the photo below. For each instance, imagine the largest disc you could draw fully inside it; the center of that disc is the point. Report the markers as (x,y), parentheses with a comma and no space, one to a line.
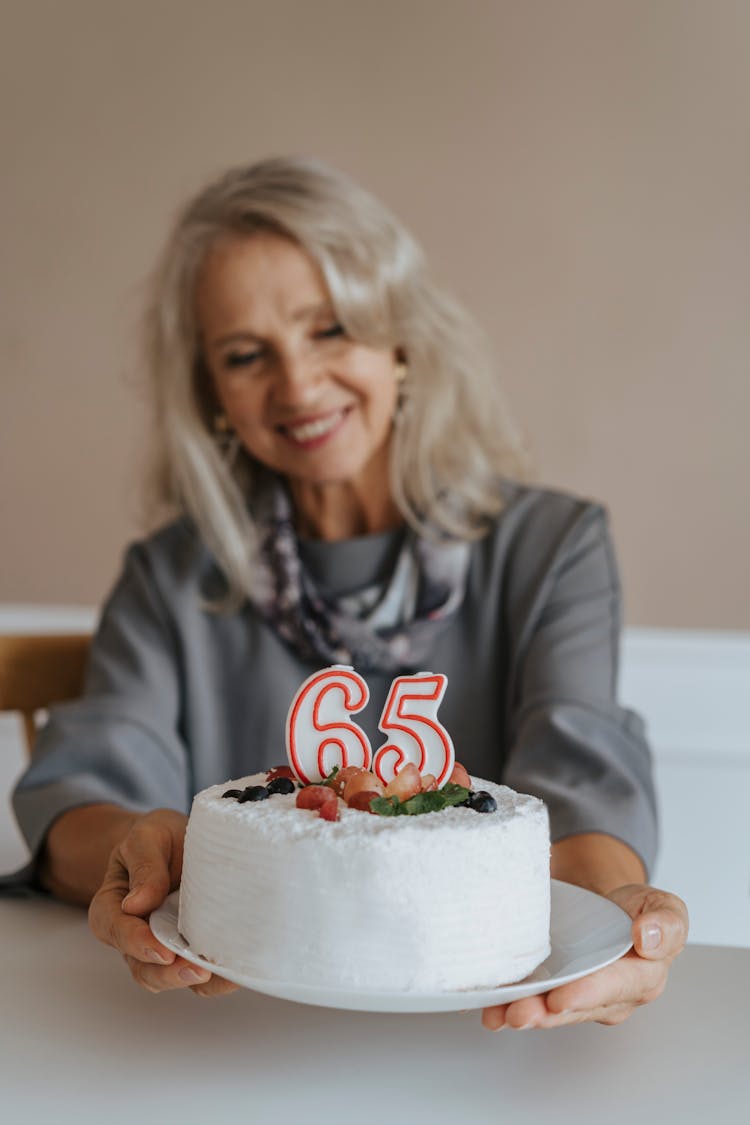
(120,742)
(572,744)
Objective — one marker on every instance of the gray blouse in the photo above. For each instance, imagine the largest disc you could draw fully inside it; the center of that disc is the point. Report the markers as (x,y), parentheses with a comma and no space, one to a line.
(179,697)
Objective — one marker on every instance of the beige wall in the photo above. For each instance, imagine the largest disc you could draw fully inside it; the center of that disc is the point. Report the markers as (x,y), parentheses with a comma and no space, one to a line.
(578,171)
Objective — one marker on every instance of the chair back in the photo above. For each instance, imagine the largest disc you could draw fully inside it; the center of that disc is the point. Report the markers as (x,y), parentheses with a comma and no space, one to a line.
(37,670)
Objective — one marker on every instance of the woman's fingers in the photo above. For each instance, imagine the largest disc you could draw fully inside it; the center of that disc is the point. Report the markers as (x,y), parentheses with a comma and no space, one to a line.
(521,1013)
(495,1020)
(660,927)
(181,974)
(607,993)
(128,933)
(216,986)
(131,936)
(152,856)
(631,980)
(660,921)
(141,872)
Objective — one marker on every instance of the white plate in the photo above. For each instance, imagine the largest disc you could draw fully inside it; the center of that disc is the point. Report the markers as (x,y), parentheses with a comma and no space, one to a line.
(587,932)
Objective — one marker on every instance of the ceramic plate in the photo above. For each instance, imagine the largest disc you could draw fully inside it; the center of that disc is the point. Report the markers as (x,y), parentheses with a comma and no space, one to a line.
(587,932)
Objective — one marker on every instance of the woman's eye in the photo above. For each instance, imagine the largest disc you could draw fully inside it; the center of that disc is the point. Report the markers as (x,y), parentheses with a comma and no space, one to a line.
(328,333)
(241,359)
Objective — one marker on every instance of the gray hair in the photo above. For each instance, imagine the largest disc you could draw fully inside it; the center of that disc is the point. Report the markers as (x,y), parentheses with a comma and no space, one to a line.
(453,437)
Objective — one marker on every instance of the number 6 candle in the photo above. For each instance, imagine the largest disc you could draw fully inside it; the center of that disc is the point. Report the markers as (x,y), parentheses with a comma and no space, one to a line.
(319,732)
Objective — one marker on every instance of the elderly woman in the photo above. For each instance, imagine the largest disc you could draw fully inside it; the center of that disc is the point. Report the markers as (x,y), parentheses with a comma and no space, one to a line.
(346,487)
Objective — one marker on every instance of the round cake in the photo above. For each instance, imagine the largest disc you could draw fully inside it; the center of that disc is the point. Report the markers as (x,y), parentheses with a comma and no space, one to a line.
(455,899)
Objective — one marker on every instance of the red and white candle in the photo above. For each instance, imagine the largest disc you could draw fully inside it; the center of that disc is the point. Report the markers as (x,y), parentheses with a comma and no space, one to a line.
(319,731)
(413,733)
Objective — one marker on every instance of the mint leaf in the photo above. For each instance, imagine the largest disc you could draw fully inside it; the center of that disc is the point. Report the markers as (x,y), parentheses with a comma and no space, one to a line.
(329,778)
(455,794)
(424,803)
(435,801)
(386,806)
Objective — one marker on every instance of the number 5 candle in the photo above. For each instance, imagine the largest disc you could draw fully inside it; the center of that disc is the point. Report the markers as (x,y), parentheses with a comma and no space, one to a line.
(413,733)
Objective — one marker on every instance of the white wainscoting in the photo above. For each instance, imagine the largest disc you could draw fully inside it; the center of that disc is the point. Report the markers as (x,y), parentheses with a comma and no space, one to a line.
(692,687)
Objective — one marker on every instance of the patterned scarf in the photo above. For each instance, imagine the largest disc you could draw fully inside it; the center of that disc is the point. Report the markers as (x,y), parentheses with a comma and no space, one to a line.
(390,627)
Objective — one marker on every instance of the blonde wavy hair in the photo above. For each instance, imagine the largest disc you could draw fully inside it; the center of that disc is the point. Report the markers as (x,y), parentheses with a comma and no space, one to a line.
(454,438)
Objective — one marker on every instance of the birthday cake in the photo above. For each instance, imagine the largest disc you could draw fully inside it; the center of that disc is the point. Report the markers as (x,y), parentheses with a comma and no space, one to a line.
(299,885)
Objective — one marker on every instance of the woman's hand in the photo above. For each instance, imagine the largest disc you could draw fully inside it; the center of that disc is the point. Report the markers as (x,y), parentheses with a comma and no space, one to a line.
(660,927)
(142,870)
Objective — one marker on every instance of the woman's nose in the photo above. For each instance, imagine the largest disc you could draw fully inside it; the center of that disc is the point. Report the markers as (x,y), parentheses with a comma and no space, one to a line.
(297,379)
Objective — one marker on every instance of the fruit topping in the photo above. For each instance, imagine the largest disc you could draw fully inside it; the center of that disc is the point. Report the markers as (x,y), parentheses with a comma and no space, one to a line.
(481,801)
(429,782)
(460,776)
(405,784)
(362,782)
(281,785)
(434,801)
(280,771)
(338,779)
(254,793)
(361,800)
(232,793)
(319,797)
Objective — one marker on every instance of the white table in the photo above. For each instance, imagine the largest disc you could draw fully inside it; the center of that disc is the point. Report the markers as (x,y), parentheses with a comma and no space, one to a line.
(79,1042)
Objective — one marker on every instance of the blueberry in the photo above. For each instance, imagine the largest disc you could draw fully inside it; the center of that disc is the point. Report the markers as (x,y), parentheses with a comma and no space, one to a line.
(281,785)
(232,793)
(482,801)
(253,793)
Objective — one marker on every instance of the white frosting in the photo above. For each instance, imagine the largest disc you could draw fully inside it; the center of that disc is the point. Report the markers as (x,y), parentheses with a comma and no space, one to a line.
(448,900)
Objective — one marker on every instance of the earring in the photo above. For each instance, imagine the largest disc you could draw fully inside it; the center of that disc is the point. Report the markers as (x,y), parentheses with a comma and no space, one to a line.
(225,437)
(401,372)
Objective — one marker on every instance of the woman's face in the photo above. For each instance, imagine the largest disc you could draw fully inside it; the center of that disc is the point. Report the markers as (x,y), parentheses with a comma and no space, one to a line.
(303,398)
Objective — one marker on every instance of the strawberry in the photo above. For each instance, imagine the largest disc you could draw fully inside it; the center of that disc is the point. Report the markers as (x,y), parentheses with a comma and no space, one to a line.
(281,771)
(319,797)
(362,782)
(460,776)
(338,782)
(407,783)
(329,810)
(361,800)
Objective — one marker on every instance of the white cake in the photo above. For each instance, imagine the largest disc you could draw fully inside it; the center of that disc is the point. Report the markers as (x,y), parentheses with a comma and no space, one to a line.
(446,900)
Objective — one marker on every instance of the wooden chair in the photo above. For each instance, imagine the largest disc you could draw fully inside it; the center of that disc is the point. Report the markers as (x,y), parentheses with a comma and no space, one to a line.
(38,670)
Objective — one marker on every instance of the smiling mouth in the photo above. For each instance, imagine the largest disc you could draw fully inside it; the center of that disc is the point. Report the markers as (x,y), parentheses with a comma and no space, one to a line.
(315,430)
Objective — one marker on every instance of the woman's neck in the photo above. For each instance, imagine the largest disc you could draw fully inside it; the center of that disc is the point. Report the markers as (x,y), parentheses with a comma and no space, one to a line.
(339,510)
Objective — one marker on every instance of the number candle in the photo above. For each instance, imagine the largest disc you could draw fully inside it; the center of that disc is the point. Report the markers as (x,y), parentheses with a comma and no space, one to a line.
(409,722)
(319,732)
